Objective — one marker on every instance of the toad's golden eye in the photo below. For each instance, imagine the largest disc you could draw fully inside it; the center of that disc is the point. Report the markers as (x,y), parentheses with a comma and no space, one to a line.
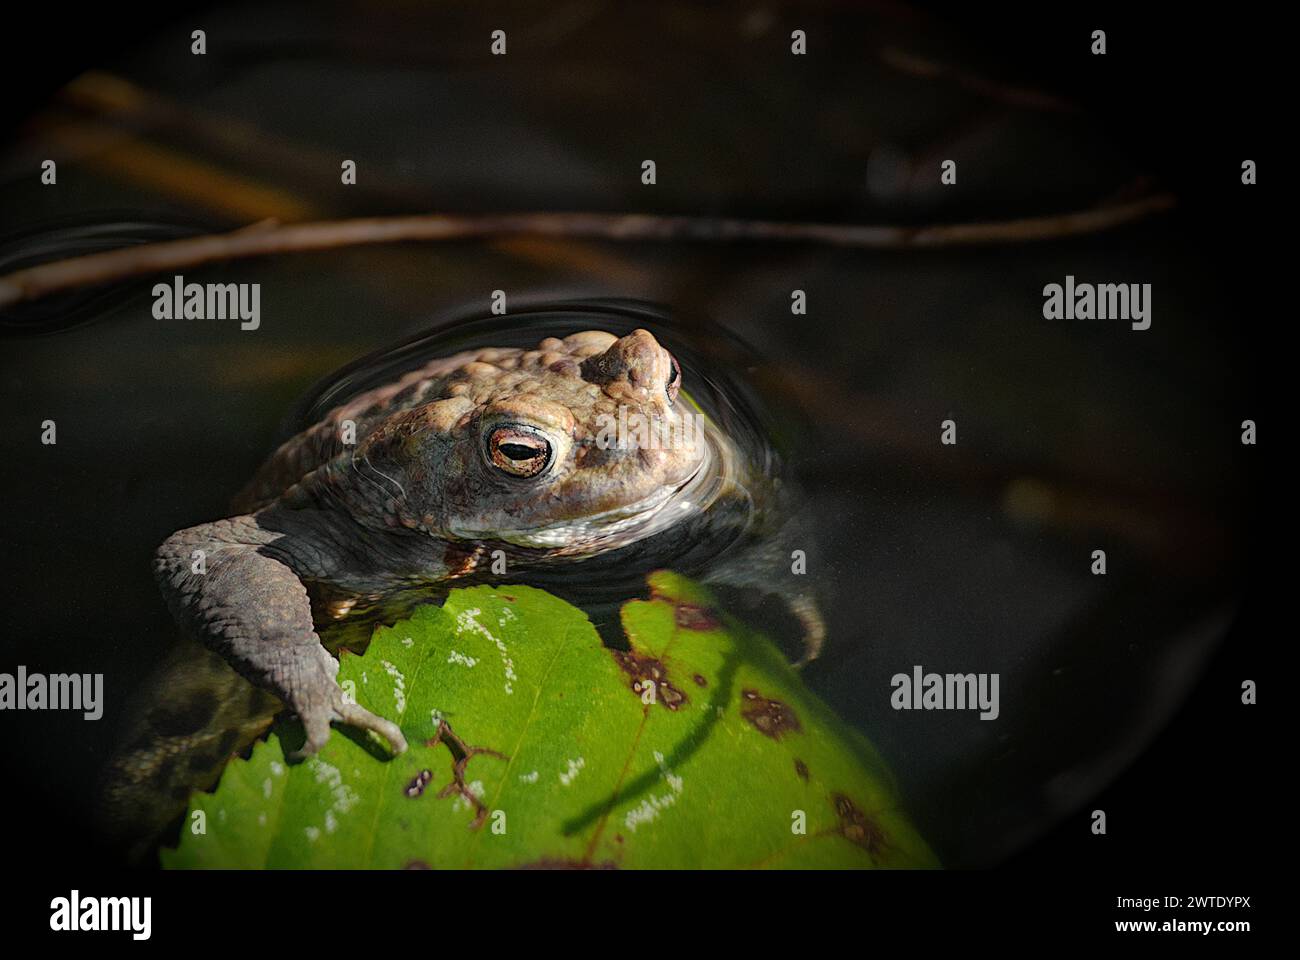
(519,451)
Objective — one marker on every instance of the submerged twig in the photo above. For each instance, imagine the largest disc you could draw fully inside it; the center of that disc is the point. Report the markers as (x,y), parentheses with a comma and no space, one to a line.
(35,282)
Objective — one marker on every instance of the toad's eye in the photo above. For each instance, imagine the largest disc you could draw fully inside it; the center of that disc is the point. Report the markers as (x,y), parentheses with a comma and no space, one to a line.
(675,381)
(518,451)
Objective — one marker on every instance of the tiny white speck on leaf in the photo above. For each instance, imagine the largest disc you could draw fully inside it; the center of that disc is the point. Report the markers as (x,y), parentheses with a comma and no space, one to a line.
(465,621)
(674,781)
(343,798)
(465,661)
(399,685)
(648,811)
(476,790)
(567,777)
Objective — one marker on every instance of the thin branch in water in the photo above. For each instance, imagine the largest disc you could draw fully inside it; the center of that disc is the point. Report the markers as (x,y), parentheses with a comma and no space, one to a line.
(32,283)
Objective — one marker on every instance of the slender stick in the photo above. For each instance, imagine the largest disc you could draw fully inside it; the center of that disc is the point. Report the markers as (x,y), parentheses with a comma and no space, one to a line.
(260,239)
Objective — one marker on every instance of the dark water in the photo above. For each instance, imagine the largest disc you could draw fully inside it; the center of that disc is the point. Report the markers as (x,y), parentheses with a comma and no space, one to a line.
(973,558)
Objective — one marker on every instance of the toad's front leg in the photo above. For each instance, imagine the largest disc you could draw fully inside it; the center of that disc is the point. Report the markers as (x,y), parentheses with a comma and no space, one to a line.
(243,597)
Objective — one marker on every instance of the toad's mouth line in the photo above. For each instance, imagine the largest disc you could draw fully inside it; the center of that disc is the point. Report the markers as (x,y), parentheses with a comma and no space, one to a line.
(610,528)
(717,472)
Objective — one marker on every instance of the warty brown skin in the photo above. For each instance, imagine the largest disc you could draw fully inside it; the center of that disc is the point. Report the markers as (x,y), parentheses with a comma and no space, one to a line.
(492,445)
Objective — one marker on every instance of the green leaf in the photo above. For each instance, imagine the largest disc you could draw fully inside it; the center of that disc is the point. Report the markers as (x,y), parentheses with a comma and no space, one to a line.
(534,745)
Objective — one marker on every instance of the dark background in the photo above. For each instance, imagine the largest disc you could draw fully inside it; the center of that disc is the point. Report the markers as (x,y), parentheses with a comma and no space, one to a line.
(1191,96)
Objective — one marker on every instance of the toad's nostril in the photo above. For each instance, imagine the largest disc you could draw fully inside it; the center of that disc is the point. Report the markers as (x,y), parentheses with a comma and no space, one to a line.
(636,359)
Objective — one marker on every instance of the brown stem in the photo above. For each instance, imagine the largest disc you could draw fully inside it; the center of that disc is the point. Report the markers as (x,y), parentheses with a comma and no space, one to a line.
(32,283)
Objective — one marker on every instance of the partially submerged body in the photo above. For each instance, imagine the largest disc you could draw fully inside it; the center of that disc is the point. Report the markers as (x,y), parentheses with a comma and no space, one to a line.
(543,457)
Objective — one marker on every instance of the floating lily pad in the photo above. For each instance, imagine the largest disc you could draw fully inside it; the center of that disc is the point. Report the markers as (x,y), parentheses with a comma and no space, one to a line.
(532,744)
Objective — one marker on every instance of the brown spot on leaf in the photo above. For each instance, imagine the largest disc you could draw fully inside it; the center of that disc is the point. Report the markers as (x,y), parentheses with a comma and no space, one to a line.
(857,827)
(771,717)
(700,681)
(691,616)
(417,865)
(418,783)
(461,753)
(643,670)
(801,768)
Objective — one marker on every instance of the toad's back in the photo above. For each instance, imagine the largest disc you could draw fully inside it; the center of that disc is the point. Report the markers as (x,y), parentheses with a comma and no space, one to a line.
(484,374)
